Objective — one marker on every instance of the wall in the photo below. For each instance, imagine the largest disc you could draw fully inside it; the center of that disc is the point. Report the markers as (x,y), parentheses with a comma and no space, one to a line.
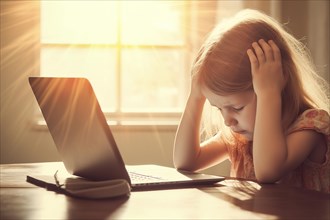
(21,141)
(309,22)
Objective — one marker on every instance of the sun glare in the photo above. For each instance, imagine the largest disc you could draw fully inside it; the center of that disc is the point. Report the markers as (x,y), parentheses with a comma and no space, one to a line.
(100,39)
(78,22)
(102,22)
(152,22)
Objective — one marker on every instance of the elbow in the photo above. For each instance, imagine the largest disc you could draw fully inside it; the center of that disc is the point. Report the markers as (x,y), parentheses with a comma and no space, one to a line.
(266,180)
(185,167)
(267,177)
(269,173)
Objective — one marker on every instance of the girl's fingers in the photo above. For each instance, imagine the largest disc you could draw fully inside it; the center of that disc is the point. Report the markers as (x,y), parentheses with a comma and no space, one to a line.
(276,50)
(253,60)
(263,52)
(259,52)
(267,49)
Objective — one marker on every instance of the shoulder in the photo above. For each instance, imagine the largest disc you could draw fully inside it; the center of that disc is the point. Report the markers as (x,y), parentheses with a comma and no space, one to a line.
(310,133)
(312,119)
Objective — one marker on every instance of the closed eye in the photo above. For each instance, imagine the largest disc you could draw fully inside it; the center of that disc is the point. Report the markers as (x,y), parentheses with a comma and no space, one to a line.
(234,109)
(238,109)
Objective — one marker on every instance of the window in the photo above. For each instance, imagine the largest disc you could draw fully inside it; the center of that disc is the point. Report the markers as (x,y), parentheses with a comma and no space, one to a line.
(135,53)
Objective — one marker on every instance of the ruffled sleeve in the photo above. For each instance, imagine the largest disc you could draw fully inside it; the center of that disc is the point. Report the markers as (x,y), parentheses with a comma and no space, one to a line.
(315,119)
(313,175)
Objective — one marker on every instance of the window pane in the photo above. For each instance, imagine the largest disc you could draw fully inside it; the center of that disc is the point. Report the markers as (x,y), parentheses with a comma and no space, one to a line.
(96,64)
(153,22)
(79,22)
(151,79)
(154,81)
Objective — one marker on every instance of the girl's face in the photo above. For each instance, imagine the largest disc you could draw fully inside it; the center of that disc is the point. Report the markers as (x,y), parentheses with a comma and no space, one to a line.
(238,110)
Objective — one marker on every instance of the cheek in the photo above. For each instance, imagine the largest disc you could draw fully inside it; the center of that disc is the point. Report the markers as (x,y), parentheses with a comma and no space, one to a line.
(249,120)
(252,121)
(251,117)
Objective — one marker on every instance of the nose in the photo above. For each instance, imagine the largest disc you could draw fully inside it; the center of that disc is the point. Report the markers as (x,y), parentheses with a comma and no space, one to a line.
(229,120)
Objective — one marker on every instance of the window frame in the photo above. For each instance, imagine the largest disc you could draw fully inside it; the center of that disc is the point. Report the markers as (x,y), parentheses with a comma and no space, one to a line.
(119,119)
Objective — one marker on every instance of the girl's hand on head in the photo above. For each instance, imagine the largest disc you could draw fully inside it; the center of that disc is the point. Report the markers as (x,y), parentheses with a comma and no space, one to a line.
(196,90)
(266,67)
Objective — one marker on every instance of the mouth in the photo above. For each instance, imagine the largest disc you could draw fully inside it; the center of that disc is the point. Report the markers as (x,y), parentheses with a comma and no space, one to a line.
(240,132)
(244,133)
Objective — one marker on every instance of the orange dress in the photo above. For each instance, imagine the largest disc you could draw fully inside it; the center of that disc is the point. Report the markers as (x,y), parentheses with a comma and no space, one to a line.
(308,175)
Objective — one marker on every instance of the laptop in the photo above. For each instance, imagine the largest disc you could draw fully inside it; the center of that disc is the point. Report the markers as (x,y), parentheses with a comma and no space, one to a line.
(86,144)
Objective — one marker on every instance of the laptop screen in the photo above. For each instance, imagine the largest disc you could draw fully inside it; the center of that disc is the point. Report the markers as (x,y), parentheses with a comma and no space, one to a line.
(78,127)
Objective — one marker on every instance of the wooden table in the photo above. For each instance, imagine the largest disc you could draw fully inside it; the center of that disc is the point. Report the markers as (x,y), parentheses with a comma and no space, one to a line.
(230,199)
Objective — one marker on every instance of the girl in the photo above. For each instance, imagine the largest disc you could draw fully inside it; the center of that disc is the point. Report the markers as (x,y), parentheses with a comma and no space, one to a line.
(272,103)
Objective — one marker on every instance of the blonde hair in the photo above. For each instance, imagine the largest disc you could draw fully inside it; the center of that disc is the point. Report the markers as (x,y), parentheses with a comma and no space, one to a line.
(223,65)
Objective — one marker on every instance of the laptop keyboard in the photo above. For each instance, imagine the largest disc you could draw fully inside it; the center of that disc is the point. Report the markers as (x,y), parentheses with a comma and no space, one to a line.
(137,177)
